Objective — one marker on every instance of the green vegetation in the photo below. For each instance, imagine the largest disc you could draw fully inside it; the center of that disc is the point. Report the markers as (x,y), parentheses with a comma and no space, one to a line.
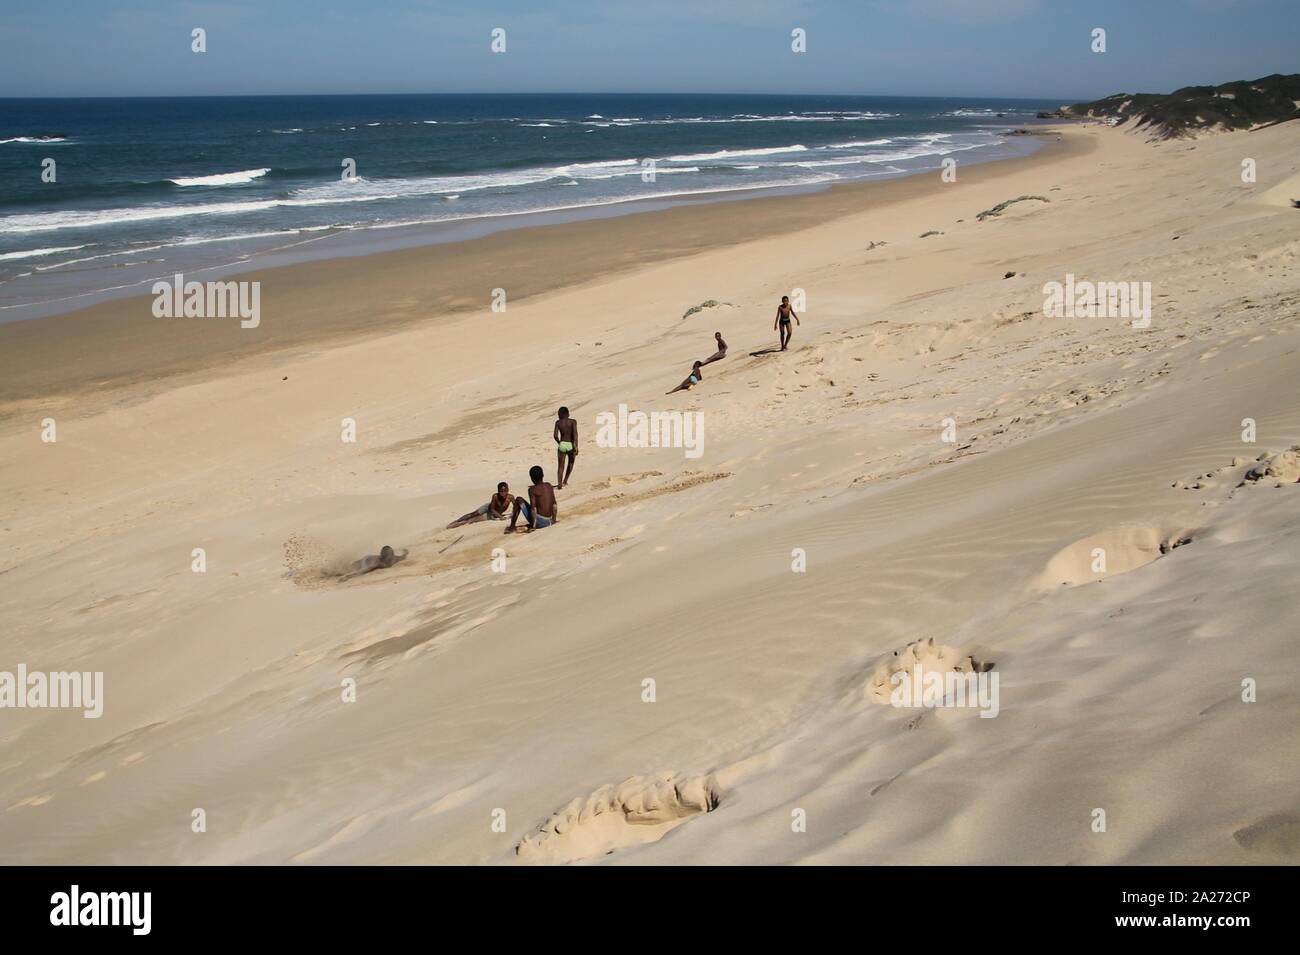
(1001,207)
(1242,104)
(709,303)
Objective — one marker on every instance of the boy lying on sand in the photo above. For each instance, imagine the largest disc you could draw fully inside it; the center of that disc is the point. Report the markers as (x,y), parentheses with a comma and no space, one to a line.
(693,379)
(386,557)
(494,510)
(540,510)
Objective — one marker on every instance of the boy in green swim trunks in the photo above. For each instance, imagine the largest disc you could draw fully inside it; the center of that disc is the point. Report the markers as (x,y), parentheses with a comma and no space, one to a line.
(566,440)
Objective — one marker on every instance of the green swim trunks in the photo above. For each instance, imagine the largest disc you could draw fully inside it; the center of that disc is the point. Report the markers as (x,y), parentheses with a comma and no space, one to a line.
(566,447)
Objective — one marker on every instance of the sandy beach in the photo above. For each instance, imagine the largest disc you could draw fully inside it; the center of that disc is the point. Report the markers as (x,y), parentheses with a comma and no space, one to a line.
(687,667)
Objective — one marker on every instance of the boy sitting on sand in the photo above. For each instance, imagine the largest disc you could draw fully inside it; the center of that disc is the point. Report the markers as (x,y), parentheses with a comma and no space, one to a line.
(718,355)
(540,510)
(494,510)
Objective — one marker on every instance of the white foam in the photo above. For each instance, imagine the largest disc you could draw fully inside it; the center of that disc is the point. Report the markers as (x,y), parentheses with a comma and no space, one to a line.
(223,178)
(731,153)
(601,164)
(35,253)
(45,140)
(49,222)
(95,258)
(857,143)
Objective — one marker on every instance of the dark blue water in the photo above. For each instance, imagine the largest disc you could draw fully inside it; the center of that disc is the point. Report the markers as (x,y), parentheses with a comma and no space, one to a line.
(144,184)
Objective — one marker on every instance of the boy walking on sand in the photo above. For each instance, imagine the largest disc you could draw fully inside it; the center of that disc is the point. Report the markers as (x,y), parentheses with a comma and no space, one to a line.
(783,315)
(566,440)
(540,510)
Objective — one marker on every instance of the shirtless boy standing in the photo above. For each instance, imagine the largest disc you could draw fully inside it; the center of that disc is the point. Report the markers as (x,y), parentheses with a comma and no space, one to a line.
(540,510)
(783,315)
(566,440)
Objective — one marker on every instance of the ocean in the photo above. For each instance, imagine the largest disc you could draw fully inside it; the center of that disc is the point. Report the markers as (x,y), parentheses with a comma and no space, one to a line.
(143,188)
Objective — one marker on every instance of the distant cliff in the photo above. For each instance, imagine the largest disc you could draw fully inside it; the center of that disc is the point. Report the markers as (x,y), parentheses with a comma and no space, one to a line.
(1243,104)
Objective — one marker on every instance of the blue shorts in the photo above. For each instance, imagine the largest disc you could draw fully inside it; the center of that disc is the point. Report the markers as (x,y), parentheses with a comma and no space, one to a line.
(540,521)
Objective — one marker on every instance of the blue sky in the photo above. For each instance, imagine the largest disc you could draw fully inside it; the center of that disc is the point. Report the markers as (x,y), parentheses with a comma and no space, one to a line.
(1031,48)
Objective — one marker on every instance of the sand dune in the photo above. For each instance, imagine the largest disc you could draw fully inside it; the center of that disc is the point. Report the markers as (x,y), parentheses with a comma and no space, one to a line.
(938,456)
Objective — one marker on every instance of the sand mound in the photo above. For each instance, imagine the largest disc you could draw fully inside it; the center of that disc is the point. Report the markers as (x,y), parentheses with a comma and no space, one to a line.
(1283,194)
(1282,467)
(927,655)
(638,811)
(1114,551)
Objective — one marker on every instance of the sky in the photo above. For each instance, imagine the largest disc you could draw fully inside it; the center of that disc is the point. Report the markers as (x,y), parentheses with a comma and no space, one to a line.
(986,48)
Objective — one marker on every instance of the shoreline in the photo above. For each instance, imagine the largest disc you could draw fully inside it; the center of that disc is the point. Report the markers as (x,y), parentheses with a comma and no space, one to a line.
(116,343)
(294,246)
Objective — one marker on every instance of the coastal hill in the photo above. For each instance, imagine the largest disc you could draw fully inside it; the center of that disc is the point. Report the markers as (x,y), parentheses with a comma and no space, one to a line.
(1242,104)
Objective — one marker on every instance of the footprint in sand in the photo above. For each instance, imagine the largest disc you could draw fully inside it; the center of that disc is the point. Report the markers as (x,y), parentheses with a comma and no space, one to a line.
(638,811)
(607,483)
